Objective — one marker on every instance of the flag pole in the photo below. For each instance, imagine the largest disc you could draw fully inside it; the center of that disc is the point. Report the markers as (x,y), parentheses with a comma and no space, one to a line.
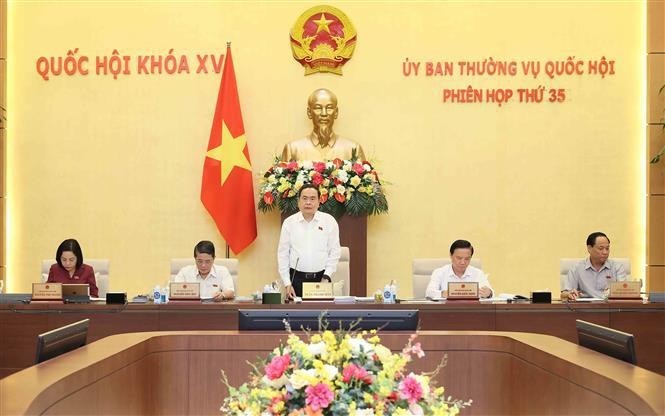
(228,253)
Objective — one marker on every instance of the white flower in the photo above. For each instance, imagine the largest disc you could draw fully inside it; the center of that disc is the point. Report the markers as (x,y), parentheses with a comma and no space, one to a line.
(342,175)
(357,343)
(277,383)
(301,378)
(364,412)
(329,165)
(330,371)
(307,164)
(415,409)
(317,348)
(272,179)
(367,167)
(279,170)
(355,181)
(341,189)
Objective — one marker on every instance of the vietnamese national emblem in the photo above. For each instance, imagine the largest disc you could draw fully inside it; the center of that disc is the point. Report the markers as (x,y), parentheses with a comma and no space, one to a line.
(323,40)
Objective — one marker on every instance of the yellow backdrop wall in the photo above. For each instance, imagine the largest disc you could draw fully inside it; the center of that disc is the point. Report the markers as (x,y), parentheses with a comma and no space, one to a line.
(116,163)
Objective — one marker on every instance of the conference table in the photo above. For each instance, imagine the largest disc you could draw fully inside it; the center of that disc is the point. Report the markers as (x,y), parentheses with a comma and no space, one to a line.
(178,373)
(20,324)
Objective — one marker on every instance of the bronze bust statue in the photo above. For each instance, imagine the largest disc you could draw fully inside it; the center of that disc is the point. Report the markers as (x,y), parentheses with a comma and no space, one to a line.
(322,143)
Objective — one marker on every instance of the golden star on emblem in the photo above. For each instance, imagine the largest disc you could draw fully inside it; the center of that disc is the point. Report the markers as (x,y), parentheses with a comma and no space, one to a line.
(230,153)
(322,23)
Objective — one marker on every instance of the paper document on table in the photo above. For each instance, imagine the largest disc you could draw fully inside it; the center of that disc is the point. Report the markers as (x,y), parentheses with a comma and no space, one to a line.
(589,300)
(414,300)
(494,299)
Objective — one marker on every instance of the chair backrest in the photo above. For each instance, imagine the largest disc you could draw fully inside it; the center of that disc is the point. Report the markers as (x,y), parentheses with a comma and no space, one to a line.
(568,263)
(423,269)
(231,264)
(342,277)
(100,266)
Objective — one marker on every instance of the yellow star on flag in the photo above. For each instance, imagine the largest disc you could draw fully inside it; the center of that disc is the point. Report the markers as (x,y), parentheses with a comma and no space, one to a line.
(230,153)
(323,23)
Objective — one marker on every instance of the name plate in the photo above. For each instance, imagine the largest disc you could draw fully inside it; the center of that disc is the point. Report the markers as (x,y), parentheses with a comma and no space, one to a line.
(184,291)
(462,290)
(47,291)
(625,290)
(317,291)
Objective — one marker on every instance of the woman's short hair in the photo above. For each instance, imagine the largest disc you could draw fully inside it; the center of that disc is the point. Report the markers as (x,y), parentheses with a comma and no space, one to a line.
(69,245)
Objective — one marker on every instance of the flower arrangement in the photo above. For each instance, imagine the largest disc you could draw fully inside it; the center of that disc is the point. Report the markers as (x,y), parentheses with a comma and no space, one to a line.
(346,186)
(339,373)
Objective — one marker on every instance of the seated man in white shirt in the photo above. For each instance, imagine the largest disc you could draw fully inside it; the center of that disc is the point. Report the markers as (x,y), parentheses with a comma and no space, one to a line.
(215,281)
(458,270)
(593,275)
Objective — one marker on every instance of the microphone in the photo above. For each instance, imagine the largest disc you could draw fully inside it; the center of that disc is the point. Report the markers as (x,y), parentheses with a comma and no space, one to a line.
(295,268)
(293,276)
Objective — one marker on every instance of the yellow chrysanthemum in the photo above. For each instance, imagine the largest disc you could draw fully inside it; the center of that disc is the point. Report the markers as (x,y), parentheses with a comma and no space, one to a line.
(382,352)
(283,187)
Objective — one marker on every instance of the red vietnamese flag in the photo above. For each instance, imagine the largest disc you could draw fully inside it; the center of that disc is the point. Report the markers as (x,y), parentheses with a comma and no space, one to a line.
(226,188)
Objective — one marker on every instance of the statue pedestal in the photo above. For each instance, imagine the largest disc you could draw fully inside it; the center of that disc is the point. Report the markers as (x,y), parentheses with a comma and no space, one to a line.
(353,234)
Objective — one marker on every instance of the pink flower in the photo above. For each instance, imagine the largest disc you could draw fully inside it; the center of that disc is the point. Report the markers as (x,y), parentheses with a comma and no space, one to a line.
(277,366)
(353,371)
(410,389)
(415,349)
(358,169)
(317,179)
(318,396)
(319,166)
(292,166)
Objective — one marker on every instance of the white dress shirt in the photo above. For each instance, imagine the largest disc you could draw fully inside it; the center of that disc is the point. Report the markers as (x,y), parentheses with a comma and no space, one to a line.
(217,280)
(308,246)
(445,274)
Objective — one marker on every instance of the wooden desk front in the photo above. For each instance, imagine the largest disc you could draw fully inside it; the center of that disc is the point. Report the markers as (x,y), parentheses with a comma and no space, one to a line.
(179,373)
(20,324)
